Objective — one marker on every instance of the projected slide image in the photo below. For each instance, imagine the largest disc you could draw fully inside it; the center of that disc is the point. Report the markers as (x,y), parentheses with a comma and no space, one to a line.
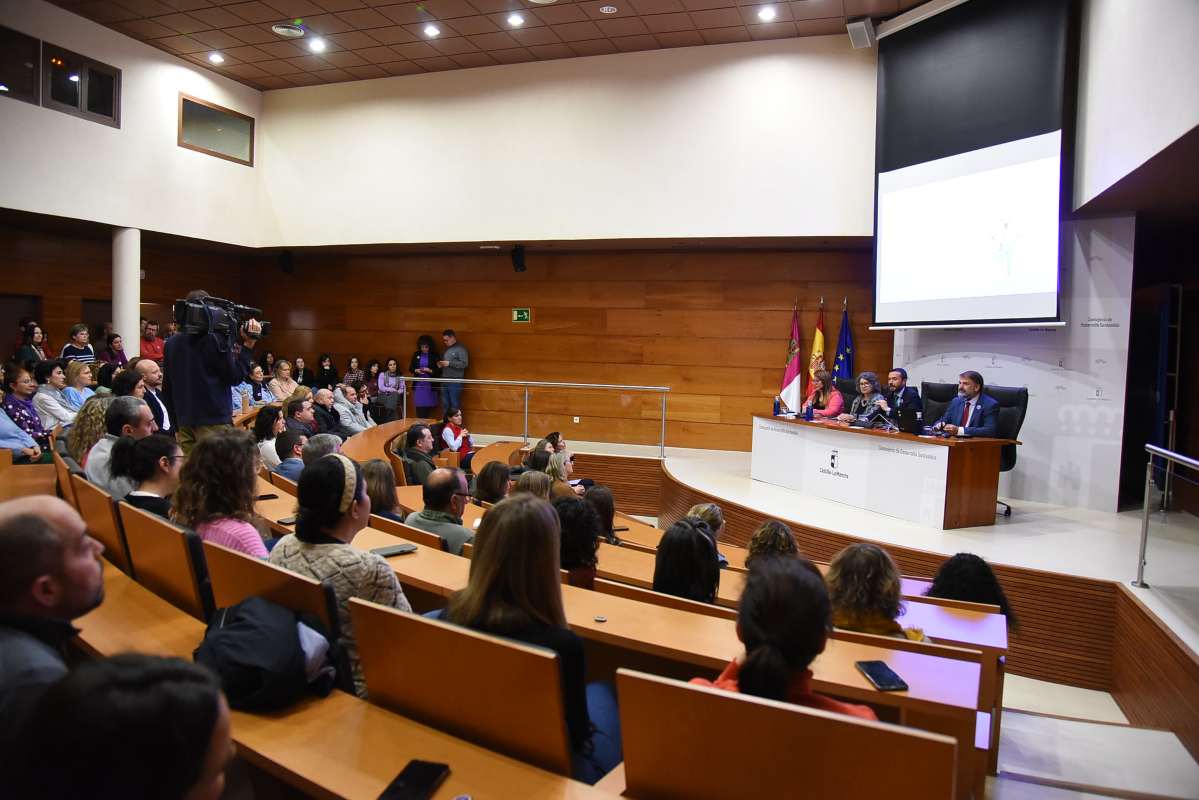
(972,236)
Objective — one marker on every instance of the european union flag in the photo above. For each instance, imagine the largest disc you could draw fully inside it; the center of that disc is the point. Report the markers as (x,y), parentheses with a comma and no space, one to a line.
(843,364)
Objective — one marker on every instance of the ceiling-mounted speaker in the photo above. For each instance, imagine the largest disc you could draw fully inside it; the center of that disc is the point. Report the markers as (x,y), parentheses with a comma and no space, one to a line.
(861,33)
(518,258)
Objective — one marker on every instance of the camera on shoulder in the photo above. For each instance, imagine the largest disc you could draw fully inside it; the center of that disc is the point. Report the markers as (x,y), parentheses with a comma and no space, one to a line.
(205,315)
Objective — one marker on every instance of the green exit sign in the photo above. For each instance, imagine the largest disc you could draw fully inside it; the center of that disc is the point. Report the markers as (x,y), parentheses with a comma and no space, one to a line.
(522,315)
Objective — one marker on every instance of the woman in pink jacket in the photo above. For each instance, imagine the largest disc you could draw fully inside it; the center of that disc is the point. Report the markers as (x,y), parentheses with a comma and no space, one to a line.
(823,396)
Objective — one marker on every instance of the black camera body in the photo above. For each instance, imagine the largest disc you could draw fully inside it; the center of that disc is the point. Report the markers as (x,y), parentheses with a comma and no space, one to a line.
(216,316)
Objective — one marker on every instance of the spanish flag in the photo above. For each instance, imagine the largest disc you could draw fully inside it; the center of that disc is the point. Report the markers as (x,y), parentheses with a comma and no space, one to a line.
(817,359)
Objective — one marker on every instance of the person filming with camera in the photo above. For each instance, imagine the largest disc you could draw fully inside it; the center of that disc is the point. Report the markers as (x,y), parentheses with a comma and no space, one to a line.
(212,353)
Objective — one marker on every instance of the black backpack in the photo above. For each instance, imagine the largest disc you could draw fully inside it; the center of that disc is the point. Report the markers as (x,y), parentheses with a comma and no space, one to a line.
(254,649)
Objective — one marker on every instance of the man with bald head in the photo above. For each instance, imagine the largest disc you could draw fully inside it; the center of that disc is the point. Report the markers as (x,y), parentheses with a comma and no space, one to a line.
(446,495)
(327,420)
(152,377)
(50,574)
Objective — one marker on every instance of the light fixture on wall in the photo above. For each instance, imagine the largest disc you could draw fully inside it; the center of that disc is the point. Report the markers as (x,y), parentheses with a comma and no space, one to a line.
(432,31)
(515,20)
(216,58)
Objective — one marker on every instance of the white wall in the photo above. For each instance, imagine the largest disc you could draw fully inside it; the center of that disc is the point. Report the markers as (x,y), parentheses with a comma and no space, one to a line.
(1137,88)
(135,176)
(759,139)
(1075,374)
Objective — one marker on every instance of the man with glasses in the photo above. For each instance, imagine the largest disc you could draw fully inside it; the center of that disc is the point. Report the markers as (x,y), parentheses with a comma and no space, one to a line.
(446,495)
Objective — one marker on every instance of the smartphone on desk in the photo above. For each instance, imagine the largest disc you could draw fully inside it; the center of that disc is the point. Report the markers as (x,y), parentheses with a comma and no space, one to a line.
(417,781)
(395,550)
(882,676)
(287,521)
(271,496)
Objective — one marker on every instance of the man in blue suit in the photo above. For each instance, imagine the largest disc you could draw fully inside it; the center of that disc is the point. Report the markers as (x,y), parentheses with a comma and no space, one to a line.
(971,413)
(899,395)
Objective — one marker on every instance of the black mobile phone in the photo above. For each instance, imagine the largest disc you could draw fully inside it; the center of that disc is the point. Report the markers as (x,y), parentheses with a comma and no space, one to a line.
(394,550)
(271,496)
(882,676)
(619,530)
(417,781)
(287,520)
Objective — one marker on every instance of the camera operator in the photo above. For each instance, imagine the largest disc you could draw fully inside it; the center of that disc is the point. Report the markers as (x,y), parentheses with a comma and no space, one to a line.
(201,369)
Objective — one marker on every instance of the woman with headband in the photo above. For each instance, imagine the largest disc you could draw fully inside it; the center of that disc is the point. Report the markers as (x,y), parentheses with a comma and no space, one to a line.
(333,507)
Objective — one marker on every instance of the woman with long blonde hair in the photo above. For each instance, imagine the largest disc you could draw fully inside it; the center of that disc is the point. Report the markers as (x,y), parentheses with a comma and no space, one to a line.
(88,428)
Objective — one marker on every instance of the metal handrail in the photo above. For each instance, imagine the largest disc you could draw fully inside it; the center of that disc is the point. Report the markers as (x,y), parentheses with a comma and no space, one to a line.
(1171,457)
(664,390)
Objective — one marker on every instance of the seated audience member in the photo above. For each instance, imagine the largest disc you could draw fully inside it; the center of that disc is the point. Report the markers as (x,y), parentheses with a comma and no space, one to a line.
(253,390)
(971,413)
(491,484)
(601,499)
(78,349)
(154,396)
(326,374)
(354,374)
(89,428)
(352,415)
(104,378)
(320,446)
(899,395)
(33,345)
(281,386)
(300,416)
(267,362)
(381,487)
(137,726)
(823,397)
(515,591)
(557,441)
(152,464)
(445,494)
(215,497)
(79,384)
(22,446)
(537,484)
(324,413)
(130,383)
(50,399)
(391,390)
(771,539)
(50,574)
(424,365)
(267,425)
(560,468)
(783,619)
(869,399)
(18,404)
(457,438)
(711,514)
(686,563)
(538,460)
(543,445)
(289,449)
(580,539)
(333,507)
(863,584)
(152,345)
(969,578)
(417,454)
(126,416)
(114,350)
(303,374)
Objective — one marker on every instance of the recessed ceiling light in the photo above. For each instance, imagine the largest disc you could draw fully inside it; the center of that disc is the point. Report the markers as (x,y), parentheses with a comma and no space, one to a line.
(75,78)
(767,13)
(3,88)
(432,31)
(317,45)
(608,9)
(216,58)
(516,20)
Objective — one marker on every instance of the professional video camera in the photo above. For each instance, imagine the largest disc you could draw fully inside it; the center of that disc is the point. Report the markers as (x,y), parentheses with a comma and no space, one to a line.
(216,316)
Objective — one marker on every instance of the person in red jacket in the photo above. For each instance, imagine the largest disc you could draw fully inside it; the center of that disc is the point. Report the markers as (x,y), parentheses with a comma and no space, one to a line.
(151,345)
(783,619)
(823,396)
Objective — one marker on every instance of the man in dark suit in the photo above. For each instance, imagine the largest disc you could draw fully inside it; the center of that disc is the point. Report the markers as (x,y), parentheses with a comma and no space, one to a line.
(899,395)
(152,377)
(971,413)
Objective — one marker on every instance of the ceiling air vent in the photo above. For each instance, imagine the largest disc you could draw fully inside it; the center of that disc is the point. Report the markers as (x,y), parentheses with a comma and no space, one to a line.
(288,30)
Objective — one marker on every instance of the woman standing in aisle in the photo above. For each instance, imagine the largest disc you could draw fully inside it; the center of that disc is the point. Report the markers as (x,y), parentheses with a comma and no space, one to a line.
(424,365)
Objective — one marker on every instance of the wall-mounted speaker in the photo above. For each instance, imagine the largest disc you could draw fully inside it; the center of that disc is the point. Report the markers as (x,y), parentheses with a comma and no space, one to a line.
(861,33)
(518,257)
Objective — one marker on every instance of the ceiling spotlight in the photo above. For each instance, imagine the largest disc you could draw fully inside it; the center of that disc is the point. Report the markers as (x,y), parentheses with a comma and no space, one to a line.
(516,20)
(767,13)
(75,78)
(216,58)
(317,45)
(608,9)
(3,88)
(432,31)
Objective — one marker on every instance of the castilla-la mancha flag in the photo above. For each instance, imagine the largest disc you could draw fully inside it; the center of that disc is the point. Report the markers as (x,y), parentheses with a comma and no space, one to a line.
(790,394)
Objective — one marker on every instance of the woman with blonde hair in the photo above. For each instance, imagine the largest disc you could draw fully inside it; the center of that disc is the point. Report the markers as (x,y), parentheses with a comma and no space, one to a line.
(281,385)
(863,584)
(711,514)
(79,384)
(515,591)
(88,428)
(825,400)
(535,483)
(560,468)
(771,539)
(381,488)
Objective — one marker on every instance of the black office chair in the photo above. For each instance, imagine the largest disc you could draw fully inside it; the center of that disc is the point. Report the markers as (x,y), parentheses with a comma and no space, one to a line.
(1013,407)
(936,398)
(848,387)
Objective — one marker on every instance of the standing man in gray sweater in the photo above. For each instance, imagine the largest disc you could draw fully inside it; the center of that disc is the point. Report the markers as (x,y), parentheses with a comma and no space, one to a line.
(453,363)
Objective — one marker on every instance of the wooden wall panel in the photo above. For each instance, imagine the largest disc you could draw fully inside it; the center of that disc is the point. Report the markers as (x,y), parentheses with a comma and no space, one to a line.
(712,326)
(1155,677)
